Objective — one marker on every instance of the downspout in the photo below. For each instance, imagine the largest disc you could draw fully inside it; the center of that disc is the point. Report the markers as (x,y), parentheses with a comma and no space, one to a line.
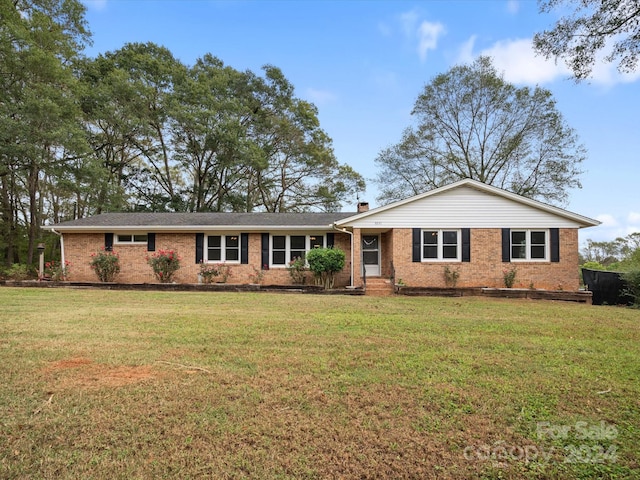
(61,246)
(344,230)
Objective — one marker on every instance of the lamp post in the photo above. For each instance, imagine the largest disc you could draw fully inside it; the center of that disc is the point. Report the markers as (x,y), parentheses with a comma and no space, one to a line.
(41,265)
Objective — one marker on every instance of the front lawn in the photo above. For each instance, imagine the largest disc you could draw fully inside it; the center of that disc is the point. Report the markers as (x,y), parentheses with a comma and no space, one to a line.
(124,384)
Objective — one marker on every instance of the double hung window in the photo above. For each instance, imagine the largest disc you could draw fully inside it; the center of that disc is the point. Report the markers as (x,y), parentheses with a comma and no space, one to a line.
(529,245)
(223,248)
(286,248)
(441,245)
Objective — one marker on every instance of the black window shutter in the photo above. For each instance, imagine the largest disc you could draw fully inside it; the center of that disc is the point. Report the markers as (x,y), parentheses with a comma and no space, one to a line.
(555,244)
(199,247)
(506,244)
(416,244)
(108,242)
(244,248)
(330,240)
(466,244)
(265,252)
(151,242)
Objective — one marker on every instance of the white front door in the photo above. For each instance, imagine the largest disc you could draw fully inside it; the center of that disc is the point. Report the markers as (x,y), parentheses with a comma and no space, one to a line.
(371,255)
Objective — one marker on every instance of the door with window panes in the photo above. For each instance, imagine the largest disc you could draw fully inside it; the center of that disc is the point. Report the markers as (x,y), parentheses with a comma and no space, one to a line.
(371,255)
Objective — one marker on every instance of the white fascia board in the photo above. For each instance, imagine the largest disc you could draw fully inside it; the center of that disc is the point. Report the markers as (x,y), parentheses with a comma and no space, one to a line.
(184,228)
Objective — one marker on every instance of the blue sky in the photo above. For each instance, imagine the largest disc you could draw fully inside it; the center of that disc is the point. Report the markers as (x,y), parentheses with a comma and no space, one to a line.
(364,63)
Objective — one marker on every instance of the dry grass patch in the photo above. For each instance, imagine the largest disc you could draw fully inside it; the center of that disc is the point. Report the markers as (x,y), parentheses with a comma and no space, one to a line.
(81,372)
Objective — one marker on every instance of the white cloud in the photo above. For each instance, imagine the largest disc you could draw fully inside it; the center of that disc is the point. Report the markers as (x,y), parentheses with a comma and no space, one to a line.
(95,4)
(428,34)
(513,6)
(612,227)
(408,21)
(607,220)
(520,64)
(606,74)
(320,97)
(634,218)
(425,34)
(517,60)
(465,52)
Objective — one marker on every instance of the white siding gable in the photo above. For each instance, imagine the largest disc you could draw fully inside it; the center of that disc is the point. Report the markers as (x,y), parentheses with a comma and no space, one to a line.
(463,206)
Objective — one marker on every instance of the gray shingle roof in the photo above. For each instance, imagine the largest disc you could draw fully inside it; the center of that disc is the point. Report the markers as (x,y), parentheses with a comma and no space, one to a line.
(186,220)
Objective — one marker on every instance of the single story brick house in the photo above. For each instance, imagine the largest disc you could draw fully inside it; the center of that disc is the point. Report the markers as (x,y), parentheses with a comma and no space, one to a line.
(475,229)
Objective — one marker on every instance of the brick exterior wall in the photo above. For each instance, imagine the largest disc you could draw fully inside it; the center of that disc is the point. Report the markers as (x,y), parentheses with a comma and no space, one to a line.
(386,253)
(486,267)
(135,269)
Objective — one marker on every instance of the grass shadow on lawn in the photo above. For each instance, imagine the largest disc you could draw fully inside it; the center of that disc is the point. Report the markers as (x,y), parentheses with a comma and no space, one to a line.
(103,384)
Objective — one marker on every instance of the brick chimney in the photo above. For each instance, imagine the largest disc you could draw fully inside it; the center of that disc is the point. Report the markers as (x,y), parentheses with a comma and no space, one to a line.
(363,207)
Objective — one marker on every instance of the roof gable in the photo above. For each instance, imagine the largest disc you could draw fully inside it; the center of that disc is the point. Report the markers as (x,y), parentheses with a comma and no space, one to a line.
(468,203)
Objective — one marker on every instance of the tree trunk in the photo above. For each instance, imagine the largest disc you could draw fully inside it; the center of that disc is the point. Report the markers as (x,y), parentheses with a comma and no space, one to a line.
(8,220)
(34,215)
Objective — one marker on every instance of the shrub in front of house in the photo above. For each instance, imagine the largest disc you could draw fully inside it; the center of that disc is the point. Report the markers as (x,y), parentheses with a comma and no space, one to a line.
(164,263)
(106,265)
(17,272)
(509,276)
(298,270)
(325,263)
(451,276)
(218,272)
(56,270)
(257,275)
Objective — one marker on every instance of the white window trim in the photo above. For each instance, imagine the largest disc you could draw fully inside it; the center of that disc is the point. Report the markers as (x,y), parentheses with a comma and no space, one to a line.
(287,254)
(117,241)
(223,247)
(527,244)
(440,237)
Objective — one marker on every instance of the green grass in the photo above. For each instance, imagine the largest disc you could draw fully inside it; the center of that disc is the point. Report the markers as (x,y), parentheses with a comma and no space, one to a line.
(110,384)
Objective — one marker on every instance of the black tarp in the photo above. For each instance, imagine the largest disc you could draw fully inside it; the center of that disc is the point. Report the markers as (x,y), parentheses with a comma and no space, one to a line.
(608,288)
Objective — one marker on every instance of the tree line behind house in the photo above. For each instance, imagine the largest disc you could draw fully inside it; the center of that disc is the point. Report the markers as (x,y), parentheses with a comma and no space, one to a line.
(138,130)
